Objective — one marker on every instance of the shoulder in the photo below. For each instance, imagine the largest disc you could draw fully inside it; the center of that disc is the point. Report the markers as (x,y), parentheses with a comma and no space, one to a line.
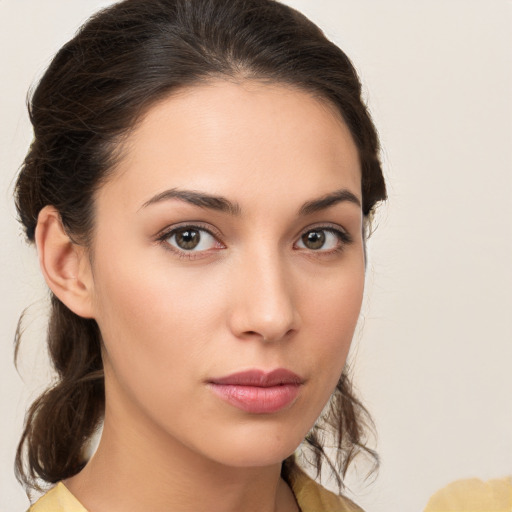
(473,495)
(312,497)
(57,499)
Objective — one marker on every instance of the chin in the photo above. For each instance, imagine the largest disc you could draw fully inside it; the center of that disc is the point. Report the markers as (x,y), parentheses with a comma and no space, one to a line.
(256,449)
(255,458)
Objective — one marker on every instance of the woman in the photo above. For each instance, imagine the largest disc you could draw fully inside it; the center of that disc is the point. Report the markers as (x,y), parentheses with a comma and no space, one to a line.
(199,187)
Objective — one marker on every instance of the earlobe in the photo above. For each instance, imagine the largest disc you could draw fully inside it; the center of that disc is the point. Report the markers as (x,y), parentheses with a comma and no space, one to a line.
(64,264)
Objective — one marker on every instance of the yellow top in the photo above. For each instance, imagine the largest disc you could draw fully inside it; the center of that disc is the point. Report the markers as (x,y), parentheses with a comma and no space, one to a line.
(57,499)
(473,495)
(310,496)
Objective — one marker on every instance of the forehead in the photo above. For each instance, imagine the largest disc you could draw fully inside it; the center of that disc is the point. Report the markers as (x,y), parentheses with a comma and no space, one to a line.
(234,138)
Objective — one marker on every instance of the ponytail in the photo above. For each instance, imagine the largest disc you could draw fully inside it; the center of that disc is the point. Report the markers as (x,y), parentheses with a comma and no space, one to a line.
(61,421)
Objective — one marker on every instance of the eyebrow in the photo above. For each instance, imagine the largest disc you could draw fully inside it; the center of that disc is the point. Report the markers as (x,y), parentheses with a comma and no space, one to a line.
(219,203)
(200,199)
(324,202)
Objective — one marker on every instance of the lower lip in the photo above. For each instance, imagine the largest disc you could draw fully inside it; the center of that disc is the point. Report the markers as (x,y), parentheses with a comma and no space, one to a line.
(257,400)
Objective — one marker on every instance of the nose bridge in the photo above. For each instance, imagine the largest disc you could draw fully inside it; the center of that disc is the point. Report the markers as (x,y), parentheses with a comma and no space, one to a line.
(265,302)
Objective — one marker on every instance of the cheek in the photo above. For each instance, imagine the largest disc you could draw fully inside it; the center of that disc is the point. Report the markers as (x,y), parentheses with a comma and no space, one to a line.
(142,288)
(330,317)
(336,302)
(153,321)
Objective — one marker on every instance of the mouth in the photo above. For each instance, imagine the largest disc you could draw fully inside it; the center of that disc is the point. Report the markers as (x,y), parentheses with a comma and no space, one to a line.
(258,392)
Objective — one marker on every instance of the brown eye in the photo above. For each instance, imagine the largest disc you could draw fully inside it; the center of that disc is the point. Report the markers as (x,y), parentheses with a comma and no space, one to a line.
(191,239)
(187,239)
(324,240)
(313,240)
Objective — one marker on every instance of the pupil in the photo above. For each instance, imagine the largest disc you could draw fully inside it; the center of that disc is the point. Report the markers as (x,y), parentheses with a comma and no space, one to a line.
(188,239)
(314,239)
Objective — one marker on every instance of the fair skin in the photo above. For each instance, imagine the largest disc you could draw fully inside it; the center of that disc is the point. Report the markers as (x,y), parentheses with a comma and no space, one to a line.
(275,282)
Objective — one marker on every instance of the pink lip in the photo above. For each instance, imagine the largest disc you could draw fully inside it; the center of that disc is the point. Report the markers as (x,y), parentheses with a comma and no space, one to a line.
(258,392)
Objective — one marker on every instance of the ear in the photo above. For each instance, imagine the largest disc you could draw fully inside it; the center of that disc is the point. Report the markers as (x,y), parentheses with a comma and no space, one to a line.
(64,264)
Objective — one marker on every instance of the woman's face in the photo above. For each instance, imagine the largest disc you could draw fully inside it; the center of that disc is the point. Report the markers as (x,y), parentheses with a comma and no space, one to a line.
(228,270)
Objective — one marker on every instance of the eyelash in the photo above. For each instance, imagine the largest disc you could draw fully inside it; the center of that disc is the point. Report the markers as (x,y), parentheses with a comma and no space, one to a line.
(344,239)
(164,236)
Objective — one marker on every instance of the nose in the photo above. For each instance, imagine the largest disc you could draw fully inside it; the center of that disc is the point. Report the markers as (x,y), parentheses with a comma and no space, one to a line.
(263,303)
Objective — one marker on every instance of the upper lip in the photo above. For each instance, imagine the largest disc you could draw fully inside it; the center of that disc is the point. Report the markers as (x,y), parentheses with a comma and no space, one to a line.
(260,378)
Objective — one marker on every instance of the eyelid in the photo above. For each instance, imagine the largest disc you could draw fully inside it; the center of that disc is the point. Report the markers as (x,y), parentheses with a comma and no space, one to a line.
(343,234)
(169,230)
(164,234)
(327,226)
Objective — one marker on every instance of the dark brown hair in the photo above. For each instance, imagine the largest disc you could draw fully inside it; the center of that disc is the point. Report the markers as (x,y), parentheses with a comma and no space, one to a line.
(120,63)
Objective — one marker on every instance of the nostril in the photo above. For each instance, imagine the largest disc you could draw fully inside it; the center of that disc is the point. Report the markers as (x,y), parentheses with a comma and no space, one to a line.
(267,337)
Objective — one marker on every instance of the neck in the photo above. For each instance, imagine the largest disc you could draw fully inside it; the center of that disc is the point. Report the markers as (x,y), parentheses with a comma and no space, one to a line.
(145,469)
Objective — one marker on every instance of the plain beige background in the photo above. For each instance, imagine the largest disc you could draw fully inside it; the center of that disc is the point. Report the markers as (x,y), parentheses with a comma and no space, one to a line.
(433,358)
